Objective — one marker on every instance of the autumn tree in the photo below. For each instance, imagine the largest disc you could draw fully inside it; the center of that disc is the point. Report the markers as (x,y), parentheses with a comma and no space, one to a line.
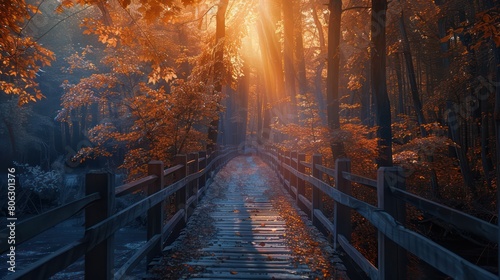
(332,83)
(289,59)
(378,81)
(220,35)
(140,112)
(21,55)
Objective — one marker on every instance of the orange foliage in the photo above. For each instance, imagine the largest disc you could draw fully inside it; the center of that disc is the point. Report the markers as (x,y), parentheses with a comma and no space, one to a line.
(21,55)
(145,113)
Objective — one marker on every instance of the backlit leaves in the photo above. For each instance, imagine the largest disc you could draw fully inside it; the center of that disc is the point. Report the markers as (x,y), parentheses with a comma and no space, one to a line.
(21,56)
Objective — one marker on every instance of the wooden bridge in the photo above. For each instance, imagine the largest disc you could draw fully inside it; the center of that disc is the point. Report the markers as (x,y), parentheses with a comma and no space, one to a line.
(245,217)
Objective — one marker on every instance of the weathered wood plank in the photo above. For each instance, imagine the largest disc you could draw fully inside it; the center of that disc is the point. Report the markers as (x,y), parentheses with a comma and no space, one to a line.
(392,259)
(51,264)
(132,262)
(306,202)
(449,215)
(316,193)
(134,186)
(342,213)
(32,227)
(155,213)
(190,200)
(324,221)
(171,224)
(306,164)
(360,179)
(106,228)
(326,170)
(358,258)
(99,259)
(172,169)
(429,251)
(62,258)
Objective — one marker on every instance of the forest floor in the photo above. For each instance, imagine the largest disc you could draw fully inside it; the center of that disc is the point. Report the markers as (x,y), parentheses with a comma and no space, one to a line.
(246,227)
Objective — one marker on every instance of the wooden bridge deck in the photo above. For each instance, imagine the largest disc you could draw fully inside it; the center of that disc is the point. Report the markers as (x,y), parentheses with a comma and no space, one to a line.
(249,239)
(246,227)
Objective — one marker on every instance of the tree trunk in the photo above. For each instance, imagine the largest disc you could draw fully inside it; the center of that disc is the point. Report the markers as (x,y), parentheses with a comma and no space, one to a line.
(454,125)
(378,82)
(318,77)
(397,62)
(496,51)
(106,17)
(411,76)
(299,52)
(332,80)
(220,33)
(244,90)
(485,139)
(288,26)
(366,98)
(416,97)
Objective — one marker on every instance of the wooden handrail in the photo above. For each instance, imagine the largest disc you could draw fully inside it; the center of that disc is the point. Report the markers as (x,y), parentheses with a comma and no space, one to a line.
(306,164)
(172,169)
(134,186)
(103,230)
(35,225)
(360,179)
(460,220)
(326,170)
(385,220)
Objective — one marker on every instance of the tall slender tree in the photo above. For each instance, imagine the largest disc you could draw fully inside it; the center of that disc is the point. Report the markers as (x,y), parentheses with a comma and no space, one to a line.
(378,82)
(288,59)
(220,34)
(332,83)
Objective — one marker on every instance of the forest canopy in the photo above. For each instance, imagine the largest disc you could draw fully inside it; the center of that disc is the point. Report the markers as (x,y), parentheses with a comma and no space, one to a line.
(411,83)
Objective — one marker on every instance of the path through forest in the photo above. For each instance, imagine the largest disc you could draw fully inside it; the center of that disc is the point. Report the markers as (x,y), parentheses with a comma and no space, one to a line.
(246,228)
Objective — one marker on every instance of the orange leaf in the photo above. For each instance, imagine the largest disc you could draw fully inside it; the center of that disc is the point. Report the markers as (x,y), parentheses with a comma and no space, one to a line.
(497,40)
(446,38)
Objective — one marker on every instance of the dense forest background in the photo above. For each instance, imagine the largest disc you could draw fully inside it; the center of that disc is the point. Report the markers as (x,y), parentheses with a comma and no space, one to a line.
(115,84)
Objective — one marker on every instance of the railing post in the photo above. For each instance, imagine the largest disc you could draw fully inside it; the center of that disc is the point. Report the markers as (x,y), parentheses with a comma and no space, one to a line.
(195,168)
(293,178)
(301,186)
(155,213)
(280,164)
(342,222)
(316,193)
(208,174)
(288,174)
(392,259)
(203,163)
(180,195)
(189,187)
(99,262)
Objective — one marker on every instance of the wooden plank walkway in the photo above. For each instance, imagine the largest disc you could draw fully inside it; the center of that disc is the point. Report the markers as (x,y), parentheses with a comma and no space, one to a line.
(249,240)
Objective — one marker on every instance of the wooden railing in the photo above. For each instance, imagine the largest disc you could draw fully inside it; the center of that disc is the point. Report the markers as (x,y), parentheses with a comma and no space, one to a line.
(187,179)
(394,239)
